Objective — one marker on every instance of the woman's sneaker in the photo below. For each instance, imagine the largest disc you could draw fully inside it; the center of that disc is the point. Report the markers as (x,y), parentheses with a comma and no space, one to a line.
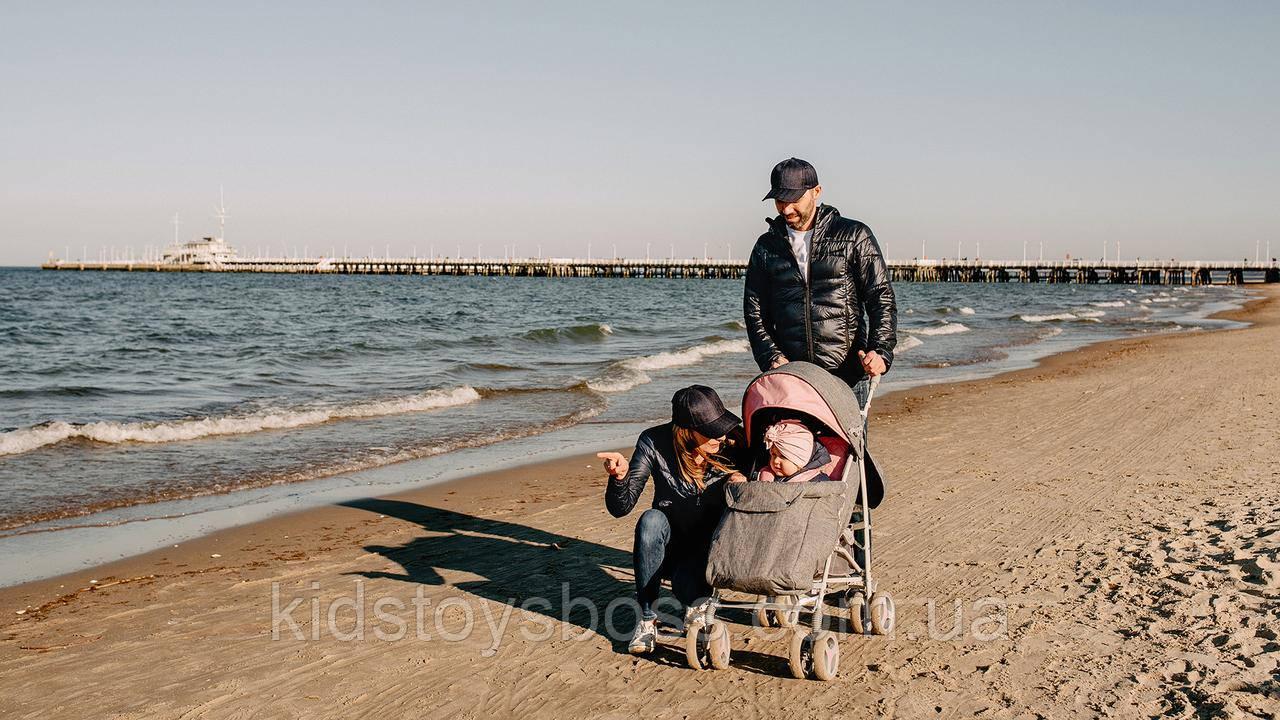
(642,640)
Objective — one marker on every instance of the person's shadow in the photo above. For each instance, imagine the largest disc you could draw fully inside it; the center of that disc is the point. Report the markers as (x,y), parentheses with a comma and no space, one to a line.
(557,576)
(561,577)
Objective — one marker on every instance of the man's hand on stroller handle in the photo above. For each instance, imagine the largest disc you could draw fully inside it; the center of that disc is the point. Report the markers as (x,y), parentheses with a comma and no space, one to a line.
(614,464)
(872,363)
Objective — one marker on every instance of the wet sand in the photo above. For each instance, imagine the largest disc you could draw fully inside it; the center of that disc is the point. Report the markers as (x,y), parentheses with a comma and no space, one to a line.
(1103,527)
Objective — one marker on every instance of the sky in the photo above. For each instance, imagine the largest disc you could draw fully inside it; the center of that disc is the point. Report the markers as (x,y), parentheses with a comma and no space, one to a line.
(638,127)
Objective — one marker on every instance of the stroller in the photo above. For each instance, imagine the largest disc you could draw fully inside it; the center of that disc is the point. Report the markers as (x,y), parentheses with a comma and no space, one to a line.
(791,542)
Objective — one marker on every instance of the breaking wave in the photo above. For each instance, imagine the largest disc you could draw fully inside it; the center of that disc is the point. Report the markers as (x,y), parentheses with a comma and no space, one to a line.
(573,333)
(1048,318)
(908,342)
(944,329)
(626,374)
(27,439)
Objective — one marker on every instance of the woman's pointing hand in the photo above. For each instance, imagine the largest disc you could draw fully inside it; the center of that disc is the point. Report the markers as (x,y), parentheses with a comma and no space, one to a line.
(614,464)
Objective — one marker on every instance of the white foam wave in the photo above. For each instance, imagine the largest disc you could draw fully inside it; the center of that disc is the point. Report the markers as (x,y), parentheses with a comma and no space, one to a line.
(629,373)
(1090,314)
(688,356)
(619,382)
(907,343)
(1163,299)
(945,329)
(1047,318)
(1110,303)
(27,439)
(966,311)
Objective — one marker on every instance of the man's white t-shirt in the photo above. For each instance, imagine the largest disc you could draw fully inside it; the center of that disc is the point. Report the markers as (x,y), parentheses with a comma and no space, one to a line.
(800,247)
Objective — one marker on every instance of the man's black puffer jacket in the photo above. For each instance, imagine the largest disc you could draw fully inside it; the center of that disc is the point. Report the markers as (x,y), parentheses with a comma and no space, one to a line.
(820,321)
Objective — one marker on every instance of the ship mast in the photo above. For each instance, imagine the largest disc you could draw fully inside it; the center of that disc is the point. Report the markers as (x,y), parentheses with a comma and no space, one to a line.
(221,214)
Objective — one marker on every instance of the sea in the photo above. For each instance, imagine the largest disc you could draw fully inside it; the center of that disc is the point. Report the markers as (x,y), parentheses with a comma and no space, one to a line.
(142,390)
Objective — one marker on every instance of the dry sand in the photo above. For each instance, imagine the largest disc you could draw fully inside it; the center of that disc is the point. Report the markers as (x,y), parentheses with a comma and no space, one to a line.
(1120,501)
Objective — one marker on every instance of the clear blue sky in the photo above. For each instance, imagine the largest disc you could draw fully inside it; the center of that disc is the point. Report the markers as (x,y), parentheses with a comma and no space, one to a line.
(630,123)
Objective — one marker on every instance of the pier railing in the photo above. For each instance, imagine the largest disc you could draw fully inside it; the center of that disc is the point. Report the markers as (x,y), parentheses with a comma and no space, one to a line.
(1143,272)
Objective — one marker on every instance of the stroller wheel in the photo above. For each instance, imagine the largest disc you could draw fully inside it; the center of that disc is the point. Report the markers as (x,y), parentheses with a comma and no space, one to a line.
(764,616)
(787,618)
(801,656)
(707,647)
(695,645)
(826,655)
(718,646)
(856,602)
(883,613)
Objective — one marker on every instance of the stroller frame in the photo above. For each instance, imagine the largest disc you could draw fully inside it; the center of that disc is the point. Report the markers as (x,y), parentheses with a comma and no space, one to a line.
(815,653)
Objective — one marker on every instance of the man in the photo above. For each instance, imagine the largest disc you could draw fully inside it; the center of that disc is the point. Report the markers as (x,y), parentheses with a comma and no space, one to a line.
(810,280)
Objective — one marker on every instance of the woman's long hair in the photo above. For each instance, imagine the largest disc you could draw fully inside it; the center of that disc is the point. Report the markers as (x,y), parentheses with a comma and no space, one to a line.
(687,454)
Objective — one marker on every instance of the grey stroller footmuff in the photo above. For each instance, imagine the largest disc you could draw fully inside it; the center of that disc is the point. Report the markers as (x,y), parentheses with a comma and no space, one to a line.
(774,538)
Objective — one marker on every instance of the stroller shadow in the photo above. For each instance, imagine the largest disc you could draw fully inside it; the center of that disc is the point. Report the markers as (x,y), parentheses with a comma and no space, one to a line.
(556,576)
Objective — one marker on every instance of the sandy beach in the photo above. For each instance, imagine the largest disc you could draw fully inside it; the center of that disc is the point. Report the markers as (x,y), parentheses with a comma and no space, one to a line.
(1094,536)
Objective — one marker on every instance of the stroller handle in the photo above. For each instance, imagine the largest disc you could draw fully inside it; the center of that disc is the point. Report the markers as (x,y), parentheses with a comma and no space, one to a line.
(871,392)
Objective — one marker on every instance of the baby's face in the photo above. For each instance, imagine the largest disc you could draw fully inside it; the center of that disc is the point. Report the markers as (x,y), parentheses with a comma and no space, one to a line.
(781,466)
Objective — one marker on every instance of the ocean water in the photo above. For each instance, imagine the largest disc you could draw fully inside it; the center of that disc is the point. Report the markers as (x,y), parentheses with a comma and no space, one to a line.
(124,389)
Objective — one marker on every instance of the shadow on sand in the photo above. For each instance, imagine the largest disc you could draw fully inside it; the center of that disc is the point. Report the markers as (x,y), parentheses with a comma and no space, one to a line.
(553,575)
(557,576)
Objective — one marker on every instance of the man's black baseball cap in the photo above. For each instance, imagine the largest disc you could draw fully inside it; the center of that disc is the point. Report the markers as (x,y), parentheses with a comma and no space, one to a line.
(698,407)
(790,179)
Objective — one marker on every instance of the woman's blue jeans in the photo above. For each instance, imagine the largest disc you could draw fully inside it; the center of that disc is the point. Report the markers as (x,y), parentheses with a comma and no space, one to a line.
(660,552)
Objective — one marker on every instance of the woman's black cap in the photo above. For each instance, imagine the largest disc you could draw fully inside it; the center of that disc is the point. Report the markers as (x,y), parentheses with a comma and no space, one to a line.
(698,408)
(790,179)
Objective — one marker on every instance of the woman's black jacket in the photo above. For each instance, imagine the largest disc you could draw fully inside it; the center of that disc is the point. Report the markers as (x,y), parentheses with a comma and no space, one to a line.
(687,508)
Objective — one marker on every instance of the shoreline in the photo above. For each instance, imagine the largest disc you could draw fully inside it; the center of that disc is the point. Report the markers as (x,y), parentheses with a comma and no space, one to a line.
(134,529)
(1109,500)
(451,482)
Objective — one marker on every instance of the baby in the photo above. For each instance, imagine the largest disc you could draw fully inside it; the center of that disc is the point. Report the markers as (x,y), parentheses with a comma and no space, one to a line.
(794,454)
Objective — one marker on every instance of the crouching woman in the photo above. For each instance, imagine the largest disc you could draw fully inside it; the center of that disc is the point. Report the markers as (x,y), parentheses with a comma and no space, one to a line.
(689,459)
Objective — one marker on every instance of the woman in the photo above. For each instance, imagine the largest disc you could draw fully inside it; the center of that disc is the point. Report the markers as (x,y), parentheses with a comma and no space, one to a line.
(689,459)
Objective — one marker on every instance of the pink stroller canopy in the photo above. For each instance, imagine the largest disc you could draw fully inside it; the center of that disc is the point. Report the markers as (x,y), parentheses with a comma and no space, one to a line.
(776,389)
(802,387)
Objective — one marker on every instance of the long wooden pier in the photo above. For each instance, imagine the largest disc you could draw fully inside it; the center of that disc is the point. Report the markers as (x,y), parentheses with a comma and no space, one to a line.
(1136,272)
(1170,272)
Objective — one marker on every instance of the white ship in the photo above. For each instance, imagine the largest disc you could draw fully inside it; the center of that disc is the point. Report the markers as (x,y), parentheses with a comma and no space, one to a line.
(209,252)
(206,252)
